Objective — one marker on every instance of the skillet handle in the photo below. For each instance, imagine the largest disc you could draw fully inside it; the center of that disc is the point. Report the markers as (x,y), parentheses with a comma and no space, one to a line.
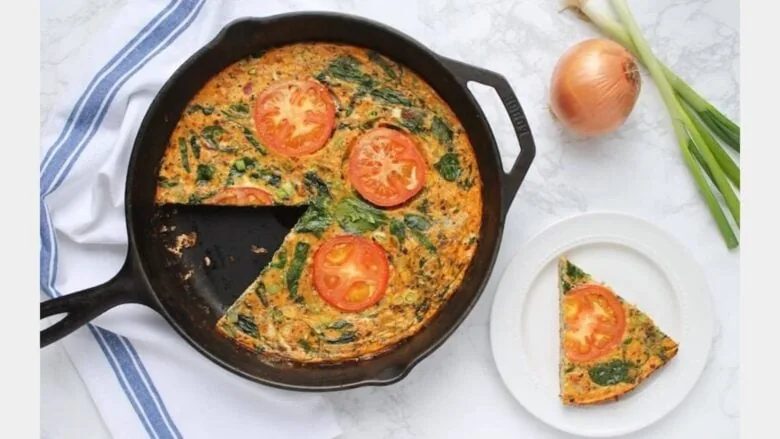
(511,181)
(83,306)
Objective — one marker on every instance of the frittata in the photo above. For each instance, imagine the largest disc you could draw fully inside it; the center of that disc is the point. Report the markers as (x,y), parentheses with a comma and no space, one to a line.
(608,346)
(387,172)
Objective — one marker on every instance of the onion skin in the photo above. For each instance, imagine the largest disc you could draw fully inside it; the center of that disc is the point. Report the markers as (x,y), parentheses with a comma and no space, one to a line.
(594,87)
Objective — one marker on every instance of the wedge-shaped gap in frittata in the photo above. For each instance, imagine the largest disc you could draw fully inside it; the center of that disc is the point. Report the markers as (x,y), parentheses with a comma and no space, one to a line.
(232,244)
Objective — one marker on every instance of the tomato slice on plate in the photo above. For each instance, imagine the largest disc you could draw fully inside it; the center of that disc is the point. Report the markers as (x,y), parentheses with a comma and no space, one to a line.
(386,167)
(243,196)
(350,272)
(594,322)
(294,118)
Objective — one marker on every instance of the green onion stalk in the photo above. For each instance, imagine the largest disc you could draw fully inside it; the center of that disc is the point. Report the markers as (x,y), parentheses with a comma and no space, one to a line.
(714,119)
(724,160)
(695,149)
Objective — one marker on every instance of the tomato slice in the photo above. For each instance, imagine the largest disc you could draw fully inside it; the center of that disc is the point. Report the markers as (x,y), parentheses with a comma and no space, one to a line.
(294,118)
(386,167)
(594,322)
(243,196)
(350,272)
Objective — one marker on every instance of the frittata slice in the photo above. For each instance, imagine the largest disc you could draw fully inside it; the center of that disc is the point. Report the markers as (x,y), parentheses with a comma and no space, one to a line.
(607,345)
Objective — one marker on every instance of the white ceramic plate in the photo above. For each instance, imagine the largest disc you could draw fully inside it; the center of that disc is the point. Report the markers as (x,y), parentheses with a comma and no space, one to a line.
(648,268)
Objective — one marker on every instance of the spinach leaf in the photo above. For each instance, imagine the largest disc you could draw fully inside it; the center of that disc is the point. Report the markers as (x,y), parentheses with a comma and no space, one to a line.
(347,68)
(391,96)
(305,345)
(417,222)
(421,309)
(212,133)
(198,198)
(205,173)
(164,182)
(383,63)
(323,78)
(347,332)
(195,145)
(280,260)
(250,163)
(398,230)
(355,216)
(346,337)
(235,115)
(315,184)
(185,160)
(611,373)
(573,272)
(448,166)
(565,287)
(315,220)
(267,176)
(240,108)
(236,112)
(261,293)
(424,206)
(296,268)
(205,109)
(413,119)
(423,240)
(247,325)
(441,131)
(253,140)
(339,324)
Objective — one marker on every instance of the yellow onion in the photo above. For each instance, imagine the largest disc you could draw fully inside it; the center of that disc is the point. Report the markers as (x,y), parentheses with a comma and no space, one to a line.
(594,87)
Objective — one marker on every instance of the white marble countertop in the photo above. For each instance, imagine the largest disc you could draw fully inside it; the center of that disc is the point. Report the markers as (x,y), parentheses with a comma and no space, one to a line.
(699,39)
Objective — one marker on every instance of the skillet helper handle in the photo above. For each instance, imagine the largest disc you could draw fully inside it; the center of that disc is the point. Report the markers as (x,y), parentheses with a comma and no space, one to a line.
(83,306)
(511,181)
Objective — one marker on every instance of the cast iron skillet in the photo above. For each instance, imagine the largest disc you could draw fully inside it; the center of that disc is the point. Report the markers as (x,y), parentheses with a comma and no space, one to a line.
(192,296)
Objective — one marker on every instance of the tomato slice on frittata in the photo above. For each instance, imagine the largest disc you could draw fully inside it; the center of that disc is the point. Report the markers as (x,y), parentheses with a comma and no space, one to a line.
(350,272)
(594,321)
(295,118)
(608,346)
(242,196)
(386,167)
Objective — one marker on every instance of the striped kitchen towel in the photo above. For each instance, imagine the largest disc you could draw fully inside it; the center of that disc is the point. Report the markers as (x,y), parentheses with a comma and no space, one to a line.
(144,380)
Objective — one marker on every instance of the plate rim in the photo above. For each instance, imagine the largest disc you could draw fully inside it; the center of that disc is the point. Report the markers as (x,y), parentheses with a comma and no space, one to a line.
(698,275)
